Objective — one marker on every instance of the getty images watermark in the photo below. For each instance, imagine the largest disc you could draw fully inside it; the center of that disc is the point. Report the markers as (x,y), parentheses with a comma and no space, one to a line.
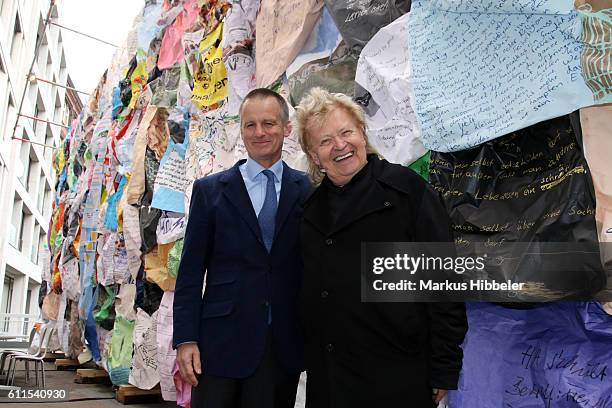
(514,272)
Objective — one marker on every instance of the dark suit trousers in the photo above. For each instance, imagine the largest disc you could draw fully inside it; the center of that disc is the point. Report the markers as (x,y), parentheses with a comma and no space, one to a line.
(269,387)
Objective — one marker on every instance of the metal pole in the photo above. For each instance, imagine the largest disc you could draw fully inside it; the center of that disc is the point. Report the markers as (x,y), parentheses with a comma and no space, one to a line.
(86,35)
(25,87)
(43,120)
(33,142)
(63,86)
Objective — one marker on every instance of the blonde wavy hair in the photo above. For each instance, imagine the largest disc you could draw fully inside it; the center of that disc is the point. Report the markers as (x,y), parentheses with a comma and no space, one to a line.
(313,109)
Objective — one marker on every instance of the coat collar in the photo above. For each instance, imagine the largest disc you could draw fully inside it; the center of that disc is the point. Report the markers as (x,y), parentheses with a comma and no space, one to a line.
(374,198)
(236,192)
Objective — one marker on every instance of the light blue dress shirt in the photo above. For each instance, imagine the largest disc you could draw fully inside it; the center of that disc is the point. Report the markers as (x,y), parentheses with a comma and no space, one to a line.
(255,181)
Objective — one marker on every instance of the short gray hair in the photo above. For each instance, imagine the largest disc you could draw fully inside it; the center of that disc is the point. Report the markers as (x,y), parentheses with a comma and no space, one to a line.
(262,93)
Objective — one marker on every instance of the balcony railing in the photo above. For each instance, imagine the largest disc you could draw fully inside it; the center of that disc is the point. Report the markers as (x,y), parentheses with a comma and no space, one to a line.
(16,326)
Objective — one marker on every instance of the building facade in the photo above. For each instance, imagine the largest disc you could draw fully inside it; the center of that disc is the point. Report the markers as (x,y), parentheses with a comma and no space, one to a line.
(27,178)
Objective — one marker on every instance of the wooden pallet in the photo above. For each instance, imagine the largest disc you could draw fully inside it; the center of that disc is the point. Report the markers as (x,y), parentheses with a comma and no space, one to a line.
(66,364)
(128,394)
(91,376)
(54,356)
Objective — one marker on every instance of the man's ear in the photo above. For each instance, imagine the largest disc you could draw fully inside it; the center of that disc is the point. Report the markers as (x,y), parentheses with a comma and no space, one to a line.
(287,128)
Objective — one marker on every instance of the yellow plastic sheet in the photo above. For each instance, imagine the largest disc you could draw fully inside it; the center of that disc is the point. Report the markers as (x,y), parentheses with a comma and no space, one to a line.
(210,81)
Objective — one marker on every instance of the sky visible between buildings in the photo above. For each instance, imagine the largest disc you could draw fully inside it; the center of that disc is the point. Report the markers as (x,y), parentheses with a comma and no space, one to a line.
(109,20)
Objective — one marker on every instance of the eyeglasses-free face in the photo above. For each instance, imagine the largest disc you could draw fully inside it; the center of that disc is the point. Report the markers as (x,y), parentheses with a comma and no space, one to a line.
(338,146)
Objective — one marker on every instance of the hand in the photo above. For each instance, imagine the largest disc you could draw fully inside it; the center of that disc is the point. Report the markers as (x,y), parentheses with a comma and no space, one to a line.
(188,357)
(438,394)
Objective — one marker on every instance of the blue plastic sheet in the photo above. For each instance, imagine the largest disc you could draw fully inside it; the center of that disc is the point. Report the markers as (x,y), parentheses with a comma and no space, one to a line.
(480,75)
(91,336)
(148,28)
(554,355)
(110,218)
(170,182)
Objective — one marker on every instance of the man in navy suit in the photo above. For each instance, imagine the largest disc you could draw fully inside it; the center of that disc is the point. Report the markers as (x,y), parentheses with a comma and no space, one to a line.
(240,344)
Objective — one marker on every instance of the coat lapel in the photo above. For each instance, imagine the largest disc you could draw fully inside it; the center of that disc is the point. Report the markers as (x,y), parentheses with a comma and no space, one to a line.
(290,193)
(316,211)
(236,192)
(374,199)
(371,199)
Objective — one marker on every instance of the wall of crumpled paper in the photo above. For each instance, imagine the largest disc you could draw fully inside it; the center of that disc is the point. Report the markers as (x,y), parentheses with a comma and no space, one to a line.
(118,213)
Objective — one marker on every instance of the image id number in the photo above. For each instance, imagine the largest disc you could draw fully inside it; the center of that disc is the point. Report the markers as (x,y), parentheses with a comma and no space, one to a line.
(39,394)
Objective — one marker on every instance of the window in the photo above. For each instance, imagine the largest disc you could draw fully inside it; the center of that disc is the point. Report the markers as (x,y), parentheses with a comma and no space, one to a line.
(7,300)
(17,41)
(43,54)
(63,73)
(36,113)
(49,142)
(5,86)
(22,225)
(27,231)
(33,172)
(42,239)
(60,41)
(49,67)
(24,158)
(42,183)
(47,200)
(34,245)
(57,114)
(14,231)
(39,112)
(26,321)
(11,117)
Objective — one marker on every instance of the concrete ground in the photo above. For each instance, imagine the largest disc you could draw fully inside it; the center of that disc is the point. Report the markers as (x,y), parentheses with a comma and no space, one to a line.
(78,395)
(85,395)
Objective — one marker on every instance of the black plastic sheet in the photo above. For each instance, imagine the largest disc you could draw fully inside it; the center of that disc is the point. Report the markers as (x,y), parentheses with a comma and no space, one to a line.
(151,167)
(42,292)
(359,21)
(125,85)
(335,74)
(515,195)
(148,294)
(149,218)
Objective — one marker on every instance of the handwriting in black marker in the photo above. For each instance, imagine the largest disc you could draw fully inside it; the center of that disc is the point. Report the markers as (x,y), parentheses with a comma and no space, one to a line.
(531,357)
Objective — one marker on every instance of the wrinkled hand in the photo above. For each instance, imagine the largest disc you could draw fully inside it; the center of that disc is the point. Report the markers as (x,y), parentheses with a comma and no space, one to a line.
(188,357)
(438,394)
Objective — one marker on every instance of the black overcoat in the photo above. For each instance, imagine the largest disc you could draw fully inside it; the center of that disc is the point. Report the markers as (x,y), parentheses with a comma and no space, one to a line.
(374,354)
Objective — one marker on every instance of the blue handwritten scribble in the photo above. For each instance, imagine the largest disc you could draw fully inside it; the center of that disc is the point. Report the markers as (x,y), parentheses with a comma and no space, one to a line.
(497,6)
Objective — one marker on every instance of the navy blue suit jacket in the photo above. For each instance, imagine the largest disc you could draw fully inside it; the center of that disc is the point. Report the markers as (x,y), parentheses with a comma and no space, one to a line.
(230,321)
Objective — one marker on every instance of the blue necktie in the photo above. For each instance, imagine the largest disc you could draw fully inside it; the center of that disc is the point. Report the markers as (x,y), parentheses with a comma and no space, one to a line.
(267,215)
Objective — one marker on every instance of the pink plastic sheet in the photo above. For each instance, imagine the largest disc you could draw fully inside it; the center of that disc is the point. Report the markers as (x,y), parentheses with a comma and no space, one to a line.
(172,43)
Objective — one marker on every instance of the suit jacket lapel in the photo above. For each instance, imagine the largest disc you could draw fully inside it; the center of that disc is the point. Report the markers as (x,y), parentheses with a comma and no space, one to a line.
(236,192)
(288,196)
